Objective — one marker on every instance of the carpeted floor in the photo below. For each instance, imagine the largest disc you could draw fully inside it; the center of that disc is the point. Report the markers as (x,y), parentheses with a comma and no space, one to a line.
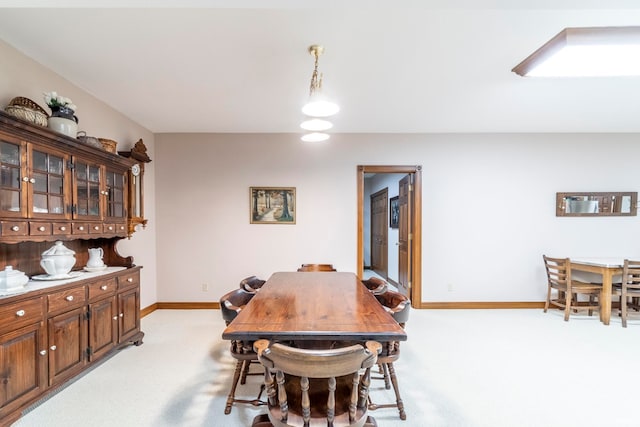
(466,368)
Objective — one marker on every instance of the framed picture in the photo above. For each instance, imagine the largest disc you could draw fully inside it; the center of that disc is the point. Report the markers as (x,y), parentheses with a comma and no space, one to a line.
(273,205)
(394,212)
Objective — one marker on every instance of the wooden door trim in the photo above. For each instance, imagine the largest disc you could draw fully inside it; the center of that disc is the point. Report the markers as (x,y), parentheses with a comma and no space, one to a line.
(416,241)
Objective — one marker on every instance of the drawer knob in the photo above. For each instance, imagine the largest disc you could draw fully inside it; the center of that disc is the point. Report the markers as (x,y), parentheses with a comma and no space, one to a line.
(43,352)
(41,228)
(15,228)
(63,228)
(95,227)
(81,228)
(103,287)
(130,279)
(20,313)
(121,314)
(53,348)
(69,298)
(110,228)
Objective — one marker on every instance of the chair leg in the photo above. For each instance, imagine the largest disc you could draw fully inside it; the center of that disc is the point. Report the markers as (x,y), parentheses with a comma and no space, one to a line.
(591,301)
(245,370)
(623,306)
(567,306)
(546,303)
(234,385)
(394,381)
(385,374)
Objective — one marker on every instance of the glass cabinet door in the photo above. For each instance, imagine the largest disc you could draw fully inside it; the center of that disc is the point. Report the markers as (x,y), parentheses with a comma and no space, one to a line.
(116,195)
(11,188)
(48,180)
(87,184)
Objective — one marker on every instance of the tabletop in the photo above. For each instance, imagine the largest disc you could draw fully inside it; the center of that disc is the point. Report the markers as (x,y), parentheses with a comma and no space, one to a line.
(314,306)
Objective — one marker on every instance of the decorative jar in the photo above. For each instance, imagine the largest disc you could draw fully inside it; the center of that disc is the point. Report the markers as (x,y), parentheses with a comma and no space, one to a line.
(63,120)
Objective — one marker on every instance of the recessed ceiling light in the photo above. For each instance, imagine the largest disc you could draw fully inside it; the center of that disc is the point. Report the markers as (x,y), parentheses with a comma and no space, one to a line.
(315,137)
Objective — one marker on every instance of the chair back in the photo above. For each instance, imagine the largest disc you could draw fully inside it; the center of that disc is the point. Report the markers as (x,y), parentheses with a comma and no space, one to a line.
(558,272)
(251,284)
(233,302)
(317,267)
(375,285)
(396,304)
(328,386)
(631,275)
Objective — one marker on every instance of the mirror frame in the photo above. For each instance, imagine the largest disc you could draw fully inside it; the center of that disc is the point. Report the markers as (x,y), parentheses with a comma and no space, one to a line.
(561,199)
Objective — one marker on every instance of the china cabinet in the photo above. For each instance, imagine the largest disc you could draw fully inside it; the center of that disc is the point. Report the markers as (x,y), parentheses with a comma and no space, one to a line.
(55,188)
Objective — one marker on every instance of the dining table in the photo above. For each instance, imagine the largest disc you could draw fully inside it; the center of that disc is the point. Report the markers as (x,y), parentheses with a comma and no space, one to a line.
(607,268)
(313,308)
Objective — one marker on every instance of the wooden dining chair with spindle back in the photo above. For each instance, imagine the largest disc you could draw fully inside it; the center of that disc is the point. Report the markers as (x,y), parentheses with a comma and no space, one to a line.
(628,289)
(316,386)
(316,267)
(559,278)
(242,351)
(398,306)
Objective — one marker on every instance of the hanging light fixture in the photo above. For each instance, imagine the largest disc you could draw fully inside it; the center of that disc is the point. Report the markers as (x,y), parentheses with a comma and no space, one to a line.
(318,105)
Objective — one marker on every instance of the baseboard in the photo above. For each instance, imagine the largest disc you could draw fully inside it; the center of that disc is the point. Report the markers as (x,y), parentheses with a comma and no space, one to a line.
(481,305)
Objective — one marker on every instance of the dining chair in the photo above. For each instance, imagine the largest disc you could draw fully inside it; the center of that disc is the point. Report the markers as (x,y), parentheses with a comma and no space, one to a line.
(231,304)
(316,386)
(398,306)
(559,278)
(628,289)
(375,285)
(251,284)
(316,267)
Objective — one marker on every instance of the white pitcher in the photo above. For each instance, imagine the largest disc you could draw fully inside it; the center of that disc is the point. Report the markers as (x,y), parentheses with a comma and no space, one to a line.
(95,258)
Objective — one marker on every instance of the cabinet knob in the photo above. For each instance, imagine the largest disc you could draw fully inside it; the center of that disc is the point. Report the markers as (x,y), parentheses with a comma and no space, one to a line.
(130,279)
(115,317)
(20,313)
(53,348)
(95,227)
(63,228)
(103,287)
(15,228)
(25,178)
(69,298)
(81,228)
(110,228)
(121,314)
(32,180)
(43,352)
(41,228)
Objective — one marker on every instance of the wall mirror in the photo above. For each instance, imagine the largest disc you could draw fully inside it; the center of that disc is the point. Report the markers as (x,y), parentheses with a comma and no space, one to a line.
(597,204)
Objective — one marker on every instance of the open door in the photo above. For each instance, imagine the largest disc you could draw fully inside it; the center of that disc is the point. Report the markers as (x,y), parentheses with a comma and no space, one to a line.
(379,232)
(414,225)
(405,196)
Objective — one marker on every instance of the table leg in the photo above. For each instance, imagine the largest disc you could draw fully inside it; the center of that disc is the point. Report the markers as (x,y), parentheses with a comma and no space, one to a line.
(605,296)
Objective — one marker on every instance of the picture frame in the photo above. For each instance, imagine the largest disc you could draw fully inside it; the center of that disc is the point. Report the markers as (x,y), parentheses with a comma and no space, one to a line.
(272,205)
(394,211)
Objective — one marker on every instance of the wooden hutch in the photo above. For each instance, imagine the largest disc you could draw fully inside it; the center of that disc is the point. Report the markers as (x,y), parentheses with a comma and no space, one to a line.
(52,188)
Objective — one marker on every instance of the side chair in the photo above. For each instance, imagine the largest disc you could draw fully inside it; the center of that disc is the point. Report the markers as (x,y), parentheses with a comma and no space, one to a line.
(628,288)
(375,285)
(559,278)
(230,305)
(316,386)
(398,305)
(251,284)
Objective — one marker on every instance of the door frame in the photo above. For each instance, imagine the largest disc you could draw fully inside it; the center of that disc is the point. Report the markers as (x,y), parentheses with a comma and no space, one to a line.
(416,217)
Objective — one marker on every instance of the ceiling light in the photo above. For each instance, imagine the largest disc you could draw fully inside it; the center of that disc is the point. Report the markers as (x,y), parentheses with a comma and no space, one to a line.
(586,52)
(316,125)
(318,105)
(315,137)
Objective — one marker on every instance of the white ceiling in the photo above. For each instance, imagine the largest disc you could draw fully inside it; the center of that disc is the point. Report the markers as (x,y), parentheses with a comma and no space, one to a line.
(243,66)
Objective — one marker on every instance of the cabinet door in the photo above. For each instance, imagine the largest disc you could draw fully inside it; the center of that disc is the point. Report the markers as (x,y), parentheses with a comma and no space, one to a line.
(128,313)
(87,188)
(116,195)
(67,345)
(22,366)
(12,189)
(49,185)
(103,326)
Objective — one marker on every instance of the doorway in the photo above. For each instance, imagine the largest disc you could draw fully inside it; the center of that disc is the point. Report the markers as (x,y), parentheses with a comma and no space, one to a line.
(413,220)
(379,235)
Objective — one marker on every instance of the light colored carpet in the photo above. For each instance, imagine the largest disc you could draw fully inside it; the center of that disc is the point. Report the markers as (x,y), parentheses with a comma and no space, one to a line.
(466,368)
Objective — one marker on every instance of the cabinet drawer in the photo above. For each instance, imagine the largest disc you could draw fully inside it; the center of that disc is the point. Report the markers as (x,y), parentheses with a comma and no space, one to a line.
(14,228)
(121,229)
(60,228)
(95,228)
(129,279)
(39,228)
(19,314)
(69,298)
(109,229)
(80,228)
(103,288)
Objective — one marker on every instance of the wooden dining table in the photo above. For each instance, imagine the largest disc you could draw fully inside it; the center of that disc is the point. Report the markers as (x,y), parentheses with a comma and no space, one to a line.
(313,307)
(607,268)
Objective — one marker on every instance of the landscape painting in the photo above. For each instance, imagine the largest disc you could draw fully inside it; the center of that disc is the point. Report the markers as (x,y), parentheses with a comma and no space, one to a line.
(273,205)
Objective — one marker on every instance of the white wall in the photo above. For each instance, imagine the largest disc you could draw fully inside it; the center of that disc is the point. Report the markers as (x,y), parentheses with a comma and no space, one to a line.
(488,207)
(21,76)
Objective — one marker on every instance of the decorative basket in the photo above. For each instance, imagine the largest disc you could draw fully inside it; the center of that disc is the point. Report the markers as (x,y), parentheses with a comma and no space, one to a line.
(26,109)
(109,144)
